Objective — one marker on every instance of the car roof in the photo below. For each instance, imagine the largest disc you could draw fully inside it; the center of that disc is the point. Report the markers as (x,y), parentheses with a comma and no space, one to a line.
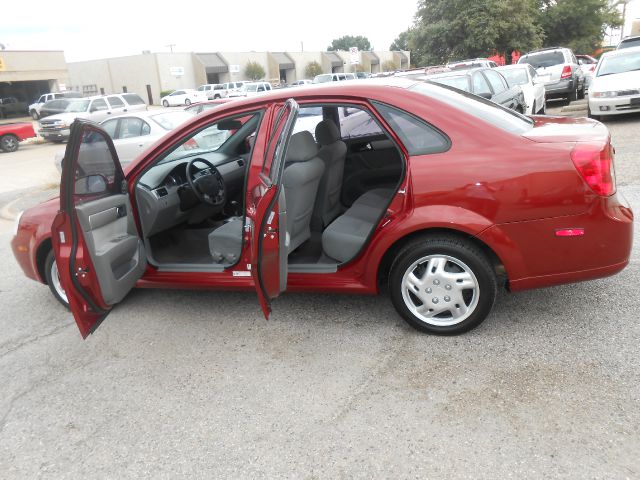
(458,73)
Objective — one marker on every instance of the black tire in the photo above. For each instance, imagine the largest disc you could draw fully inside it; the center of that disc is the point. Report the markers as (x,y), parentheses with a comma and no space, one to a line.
(215,97)
(573,96)
(581,93)
(49,271)
(591,115)
(165,103)
(35,115)
(9,143)
(187,102)
(456,253)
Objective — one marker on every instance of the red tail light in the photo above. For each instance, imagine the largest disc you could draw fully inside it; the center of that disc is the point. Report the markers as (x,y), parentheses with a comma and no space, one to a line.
(595,164)
(566,72)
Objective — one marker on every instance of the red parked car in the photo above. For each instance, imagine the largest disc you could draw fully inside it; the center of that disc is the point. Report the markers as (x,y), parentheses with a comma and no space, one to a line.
(444,196)
(11,134)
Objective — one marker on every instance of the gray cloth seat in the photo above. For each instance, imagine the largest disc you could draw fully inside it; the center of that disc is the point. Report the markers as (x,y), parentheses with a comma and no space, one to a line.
(346,235)
(301,177)
(332,152)
(225,242)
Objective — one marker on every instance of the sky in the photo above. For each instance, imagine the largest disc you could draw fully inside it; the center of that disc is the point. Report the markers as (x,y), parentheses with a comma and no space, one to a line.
(90,30)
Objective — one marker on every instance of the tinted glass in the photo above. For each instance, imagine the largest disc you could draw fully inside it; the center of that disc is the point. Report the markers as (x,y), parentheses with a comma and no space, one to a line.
(632,42)
(99,104)
(480,84)
(171,120)
(460,81)
(133,99)
(357,123)
(110,127)
(130,127)
(94,158)
(497,82)
(418,137)
(543,59)
(115,102)
(482,109)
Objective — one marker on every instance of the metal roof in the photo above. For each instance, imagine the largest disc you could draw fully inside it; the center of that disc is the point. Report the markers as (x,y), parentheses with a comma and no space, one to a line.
(213,62)
(284,61)
(334,58)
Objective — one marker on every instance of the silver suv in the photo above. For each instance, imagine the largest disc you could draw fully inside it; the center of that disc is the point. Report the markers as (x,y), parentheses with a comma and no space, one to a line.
(558,69)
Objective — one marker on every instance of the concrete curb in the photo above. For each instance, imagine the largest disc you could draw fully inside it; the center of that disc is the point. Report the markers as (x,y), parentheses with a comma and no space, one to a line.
(7,212)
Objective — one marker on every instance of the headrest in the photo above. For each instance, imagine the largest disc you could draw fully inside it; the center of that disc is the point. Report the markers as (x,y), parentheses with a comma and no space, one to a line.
(302,147)
(327,132)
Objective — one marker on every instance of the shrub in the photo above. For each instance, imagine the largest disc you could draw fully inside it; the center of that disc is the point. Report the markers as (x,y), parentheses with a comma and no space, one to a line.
(254,71)
(389,66)
(312,69)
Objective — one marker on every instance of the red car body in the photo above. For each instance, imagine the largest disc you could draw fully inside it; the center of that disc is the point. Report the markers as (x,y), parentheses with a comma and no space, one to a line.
(529,201)
(12,133)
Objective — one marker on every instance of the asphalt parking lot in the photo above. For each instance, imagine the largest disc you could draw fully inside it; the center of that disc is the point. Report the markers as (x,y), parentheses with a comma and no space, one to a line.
(183,384)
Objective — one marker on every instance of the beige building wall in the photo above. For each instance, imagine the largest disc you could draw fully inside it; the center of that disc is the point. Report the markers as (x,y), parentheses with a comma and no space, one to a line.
(240,59)
(302,59)
(25,66)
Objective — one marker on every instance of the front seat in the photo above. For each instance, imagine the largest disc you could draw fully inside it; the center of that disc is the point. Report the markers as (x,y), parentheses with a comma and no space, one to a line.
(301,177)
(332,152)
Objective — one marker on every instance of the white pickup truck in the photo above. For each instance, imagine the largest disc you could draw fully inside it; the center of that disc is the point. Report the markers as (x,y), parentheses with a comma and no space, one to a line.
(34,108)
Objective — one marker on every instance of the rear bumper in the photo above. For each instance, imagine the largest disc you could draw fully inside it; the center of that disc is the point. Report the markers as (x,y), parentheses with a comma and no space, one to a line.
(559,88)
(603,250)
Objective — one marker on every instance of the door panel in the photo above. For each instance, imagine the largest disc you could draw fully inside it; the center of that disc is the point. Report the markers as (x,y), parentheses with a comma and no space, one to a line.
(266,207)
(371,162)
(98,251)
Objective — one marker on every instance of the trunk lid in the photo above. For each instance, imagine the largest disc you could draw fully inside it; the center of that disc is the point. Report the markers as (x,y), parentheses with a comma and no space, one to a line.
(566,129)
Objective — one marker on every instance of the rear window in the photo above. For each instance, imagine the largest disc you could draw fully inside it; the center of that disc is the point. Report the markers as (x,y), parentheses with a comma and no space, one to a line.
(460,81)
(133,99)
(542,60)
(417,136)
(478,107)
(630,42)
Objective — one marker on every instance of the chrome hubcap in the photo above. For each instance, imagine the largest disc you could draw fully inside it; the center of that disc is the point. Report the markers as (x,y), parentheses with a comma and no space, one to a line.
(55,279)
(440,290)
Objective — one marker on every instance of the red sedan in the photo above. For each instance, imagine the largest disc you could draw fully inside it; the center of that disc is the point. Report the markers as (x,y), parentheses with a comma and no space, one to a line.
(440,194)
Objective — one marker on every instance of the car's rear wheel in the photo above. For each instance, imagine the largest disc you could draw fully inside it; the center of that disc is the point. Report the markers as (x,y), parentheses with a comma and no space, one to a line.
(165,103)
(581,93)
(9,142)
(573,96)
(187,102)
(442,285)
(216,97)
(53,279)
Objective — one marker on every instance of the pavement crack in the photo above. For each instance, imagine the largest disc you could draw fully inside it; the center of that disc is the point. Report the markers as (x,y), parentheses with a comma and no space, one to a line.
(11,347)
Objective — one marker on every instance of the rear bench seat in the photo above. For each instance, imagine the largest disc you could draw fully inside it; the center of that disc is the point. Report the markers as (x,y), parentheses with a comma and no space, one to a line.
(344,237)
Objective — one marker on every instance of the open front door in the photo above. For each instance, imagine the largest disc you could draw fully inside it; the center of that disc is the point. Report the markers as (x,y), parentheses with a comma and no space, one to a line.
(98,251)
(270,238)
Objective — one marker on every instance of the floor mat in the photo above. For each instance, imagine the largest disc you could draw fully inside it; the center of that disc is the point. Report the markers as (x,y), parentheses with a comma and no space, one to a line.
(182,246)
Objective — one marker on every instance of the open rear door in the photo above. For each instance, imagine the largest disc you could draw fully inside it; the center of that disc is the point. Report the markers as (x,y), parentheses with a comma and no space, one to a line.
(270,239)
(98,251)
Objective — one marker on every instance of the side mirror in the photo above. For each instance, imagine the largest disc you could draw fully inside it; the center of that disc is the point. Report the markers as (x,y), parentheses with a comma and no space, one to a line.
(486,95)
(91,185)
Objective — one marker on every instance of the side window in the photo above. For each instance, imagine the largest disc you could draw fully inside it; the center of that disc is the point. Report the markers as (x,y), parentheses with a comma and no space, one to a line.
(308,118)
(110,127)
(146,129)
(532,71)
(261,88)
(98,105)
(355,122)
(95,170)
(497,82)
(133,99)
(115,102)
(178,92)
(130,127)
(418,137)
(480,84)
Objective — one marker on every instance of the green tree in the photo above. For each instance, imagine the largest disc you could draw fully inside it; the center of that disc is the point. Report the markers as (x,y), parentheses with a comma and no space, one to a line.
(254,71)
(348,41)
(454,29)
(577,24)
(401,42)
(312,69)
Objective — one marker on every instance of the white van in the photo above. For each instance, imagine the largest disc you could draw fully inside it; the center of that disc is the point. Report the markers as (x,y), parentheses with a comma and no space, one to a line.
(334,77)
(213,90)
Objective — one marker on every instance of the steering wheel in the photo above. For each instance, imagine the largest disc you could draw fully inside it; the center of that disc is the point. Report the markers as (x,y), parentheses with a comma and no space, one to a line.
(207,186)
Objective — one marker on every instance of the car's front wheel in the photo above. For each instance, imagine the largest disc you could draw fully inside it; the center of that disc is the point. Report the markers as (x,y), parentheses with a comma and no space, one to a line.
(35,115)
(187,102)
(9,142)
(165,103)
(53,279)
(442,285)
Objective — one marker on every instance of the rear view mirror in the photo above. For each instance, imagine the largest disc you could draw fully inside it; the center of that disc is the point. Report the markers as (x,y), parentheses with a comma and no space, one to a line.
(229,125)
(91,185)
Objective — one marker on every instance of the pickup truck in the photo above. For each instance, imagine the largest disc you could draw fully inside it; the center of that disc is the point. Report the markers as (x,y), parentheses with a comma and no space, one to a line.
(11,134)
(12,106)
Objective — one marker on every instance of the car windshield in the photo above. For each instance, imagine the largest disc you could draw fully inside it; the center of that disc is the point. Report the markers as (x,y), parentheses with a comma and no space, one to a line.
(543,60)
(458,81)
(171,120)
(322,78)
(632,42)
(251,88)
(620,63)
(515,76)
(77,106)
(479,107)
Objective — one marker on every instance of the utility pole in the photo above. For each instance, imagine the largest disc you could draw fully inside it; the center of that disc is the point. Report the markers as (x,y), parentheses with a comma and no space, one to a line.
(171,45)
